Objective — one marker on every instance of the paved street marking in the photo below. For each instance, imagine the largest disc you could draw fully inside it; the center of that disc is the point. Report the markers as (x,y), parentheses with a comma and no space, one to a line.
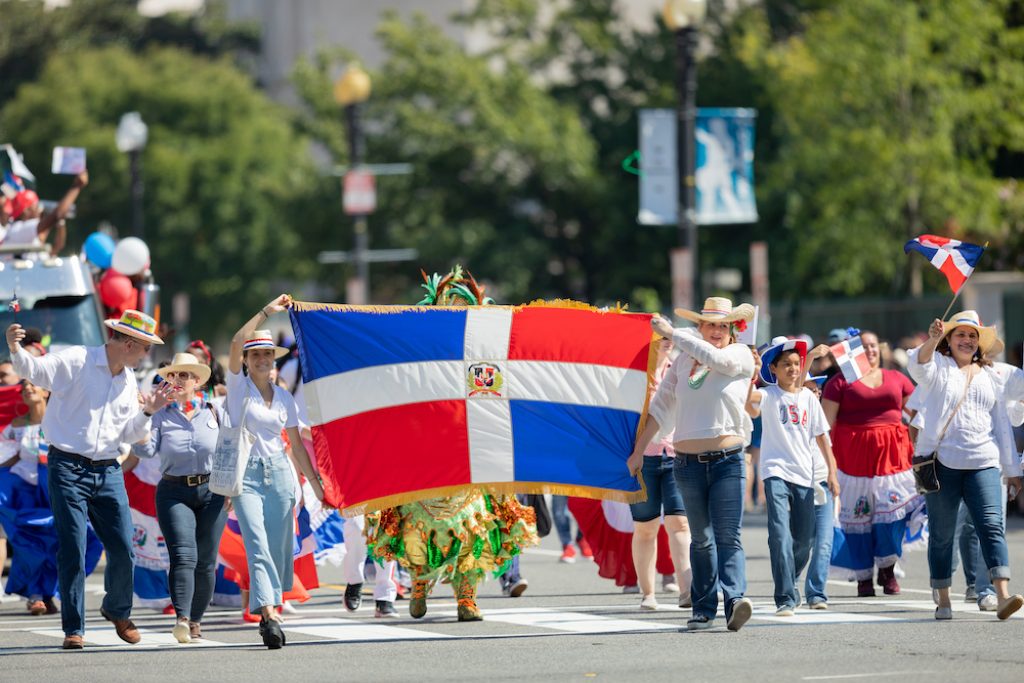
(574,622)
(866,675)
(107,637)
(349,630)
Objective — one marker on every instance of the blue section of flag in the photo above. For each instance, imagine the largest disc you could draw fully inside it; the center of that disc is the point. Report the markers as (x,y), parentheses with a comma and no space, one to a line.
(971,252)
(332,342)
(575,445)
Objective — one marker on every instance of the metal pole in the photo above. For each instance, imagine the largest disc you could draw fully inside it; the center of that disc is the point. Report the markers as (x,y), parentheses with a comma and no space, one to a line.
(135,169)
(356,145)
(686,87)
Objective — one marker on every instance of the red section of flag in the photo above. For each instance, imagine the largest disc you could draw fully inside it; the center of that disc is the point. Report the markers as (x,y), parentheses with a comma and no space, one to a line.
(579,336)
(11,405)
(613,549)
(953,274)
(401,448)
(141,496)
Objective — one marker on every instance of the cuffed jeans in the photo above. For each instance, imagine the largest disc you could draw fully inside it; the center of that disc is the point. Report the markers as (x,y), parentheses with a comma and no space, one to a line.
(80,493)
(192,520)
(981,492)
(265,511)
(821,553)
(713,495)
(790,535)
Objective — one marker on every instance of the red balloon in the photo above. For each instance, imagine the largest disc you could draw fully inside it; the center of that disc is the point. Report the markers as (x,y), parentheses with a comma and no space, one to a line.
(117,291)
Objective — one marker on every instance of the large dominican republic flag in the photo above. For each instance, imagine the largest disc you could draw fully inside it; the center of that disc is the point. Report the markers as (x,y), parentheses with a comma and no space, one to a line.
(408,403)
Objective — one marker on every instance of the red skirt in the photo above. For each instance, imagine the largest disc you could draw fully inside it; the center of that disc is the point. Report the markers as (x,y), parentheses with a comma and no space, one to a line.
(613,549)
(872,450)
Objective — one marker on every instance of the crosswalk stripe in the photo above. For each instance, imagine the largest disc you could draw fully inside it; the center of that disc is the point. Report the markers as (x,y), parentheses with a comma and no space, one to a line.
(349,630)
(575,622)
(107,637)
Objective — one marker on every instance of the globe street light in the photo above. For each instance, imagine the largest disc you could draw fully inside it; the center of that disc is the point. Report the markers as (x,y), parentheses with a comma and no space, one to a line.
(132,134)
(683,18)
(351,90)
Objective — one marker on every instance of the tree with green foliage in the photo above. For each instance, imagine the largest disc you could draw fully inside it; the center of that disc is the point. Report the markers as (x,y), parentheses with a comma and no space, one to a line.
(226,176)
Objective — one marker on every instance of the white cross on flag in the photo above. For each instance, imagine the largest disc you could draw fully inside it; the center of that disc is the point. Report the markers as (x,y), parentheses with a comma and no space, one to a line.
(851,359)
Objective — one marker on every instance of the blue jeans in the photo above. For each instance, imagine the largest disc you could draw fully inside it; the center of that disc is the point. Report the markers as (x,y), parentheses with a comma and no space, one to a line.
(821,553)
(970,555)
(265,516)
(981,492)
(662,492)
(563,522)
(790,535)
(80,492)
(192,521)
(713,494)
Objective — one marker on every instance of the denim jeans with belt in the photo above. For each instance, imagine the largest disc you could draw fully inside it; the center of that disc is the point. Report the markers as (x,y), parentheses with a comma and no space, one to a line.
(192,521)
(265,511)
(790,535)
(981,492)
(821,553)
(80,491)
(713,494)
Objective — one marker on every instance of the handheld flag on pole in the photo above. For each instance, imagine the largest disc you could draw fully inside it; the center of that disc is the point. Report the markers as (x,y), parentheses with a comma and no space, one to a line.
(14,174)
(954,258)
(851,359)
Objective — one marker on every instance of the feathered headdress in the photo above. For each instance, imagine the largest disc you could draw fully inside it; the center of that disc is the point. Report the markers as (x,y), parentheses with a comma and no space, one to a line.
(455,287)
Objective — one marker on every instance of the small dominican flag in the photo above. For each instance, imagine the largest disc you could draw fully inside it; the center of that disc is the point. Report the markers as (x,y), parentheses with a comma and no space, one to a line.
(954,258)
(408,403)
(851,359)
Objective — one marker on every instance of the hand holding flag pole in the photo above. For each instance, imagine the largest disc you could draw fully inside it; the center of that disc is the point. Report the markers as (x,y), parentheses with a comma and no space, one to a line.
(954,258)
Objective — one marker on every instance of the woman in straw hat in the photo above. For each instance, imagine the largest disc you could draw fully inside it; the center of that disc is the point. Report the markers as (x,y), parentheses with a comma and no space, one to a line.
(703,396)
(191,517)
(963,422)
(265,506)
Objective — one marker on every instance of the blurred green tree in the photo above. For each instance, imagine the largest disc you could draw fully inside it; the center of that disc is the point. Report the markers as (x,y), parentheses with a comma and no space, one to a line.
(226,175)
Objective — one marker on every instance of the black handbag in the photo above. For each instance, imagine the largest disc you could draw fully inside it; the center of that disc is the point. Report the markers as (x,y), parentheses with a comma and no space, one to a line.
(926,478)
(540,506)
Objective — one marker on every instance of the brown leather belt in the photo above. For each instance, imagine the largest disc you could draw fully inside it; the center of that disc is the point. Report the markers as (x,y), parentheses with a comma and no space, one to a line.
(711,456)
(53,450)
(188,479)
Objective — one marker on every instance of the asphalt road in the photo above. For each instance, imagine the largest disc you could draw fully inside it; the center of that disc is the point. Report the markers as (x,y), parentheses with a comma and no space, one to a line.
(569,625)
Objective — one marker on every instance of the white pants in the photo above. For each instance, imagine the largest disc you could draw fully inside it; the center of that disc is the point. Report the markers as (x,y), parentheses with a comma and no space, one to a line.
(384,586)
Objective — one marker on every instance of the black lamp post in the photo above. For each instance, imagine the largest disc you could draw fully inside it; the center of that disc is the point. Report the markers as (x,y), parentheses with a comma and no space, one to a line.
(684,17)
(132,134)
(351,91)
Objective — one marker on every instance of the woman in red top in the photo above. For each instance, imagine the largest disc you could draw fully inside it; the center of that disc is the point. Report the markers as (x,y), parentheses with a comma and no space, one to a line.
(880,508)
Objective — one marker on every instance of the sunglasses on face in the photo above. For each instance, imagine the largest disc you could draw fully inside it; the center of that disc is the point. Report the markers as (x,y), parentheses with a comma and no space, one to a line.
(180,375)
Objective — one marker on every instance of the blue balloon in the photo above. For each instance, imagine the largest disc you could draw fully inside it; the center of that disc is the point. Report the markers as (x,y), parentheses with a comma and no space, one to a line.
(99,249)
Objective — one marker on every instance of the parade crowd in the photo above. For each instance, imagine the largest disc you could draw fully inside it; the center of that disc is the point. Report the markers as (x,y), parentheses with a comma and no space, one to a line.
(850,474)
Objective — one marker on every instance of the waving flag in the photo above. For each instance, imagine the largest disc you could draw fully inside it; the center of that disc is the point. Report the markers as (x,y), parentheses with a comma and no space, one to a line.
(851,359)
(408,403)
(954,258)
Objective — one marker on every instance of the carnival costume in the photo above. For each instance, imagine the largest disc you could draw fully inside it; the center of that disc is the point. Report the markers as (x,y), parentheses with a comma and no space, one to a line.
(460,538)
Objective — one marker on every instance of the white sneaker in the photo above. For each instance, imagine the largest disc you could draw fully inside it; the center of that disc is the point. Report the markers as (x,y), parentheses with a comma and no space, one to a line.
(943,613)
(669,585)
(784,611)
(820,604)
(649,603)
(685,600)
(181,632)
(989,603)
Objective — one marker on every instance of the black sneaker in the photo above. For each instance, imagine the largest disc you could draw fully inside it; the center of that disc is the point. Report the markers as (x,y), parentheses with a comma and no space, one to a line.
(273,636)
(385,608)
(699,622)
(353,596)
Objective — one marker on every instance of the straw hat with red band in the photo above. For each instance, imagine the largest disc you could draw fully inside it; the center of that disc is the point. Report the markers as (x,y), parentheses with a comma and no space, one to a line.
(771,352)
(136,324)
(186,362)
(718,309)
(986,335)
(262,339)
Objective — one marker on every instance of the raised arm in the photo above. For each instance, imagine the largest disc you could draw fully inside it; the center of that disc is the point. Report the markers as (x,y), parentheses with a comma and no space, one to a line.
(51,219)
(278,305)
(40,371)
(927,350)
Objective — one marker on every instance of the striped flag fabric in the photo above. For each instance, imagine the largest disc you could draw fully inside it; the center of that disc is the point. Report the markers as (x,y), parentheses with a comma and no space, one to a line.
(954,258)
(14,174)
(408,403)
(851,359)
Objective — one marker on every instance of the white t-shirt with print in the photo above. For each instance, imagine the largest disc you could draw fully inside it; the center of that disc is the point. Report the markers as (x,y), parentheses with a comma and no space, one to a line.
(264,423)
(790,424)
(20,233)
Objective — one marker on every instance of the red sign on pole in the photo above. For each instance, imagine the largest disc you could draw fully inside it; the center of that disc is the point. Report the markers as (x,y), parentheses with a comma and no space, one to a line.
(359,195)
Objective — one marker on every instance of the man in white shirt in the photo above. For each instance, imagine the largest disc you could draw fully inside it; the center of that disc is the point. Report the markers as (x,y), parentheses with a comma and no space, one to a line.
(94,408)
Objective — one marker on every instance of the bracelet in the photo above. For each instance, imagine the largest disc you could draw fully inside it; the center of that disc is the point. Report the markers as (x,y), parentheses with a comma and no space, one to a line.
(147,414)
(264,312)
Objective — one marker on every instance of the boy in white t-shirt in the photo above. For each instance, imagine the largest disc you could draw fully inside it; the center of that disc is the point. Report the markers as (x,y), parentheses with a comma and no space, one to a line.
(794,436)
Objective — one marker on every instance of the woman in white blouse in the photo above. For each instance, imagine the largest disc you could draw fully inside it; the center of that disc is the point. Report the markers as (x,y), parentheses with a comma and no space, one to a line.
(963,421)
(265,508)
(703,396)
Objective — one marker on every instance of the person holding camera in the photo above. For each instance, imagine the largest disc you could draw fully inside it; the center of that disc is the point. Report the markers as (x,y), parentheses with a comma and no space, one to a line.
(964,446)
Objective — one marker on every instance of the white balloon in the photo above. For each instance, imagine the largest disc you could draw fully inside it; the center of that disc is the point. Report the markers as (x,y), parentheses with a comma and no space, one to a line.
(131,256)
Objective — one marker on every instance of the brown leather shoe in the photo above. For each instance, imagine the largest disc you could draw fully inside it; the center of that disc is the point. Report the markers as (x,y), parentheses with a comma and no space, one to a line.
(73,643)
(194,630)
(126,630)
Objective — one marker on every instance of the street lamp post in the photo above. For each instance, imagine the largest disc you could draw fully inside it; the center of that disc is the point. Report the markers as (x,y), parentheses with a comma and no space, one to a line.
(351,90)
(132,134)
(684,18)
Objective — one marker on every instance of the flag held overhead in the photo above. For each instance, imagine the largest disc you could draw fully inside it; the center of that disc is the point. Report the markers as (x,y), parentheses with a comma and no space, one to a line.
(954,258)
